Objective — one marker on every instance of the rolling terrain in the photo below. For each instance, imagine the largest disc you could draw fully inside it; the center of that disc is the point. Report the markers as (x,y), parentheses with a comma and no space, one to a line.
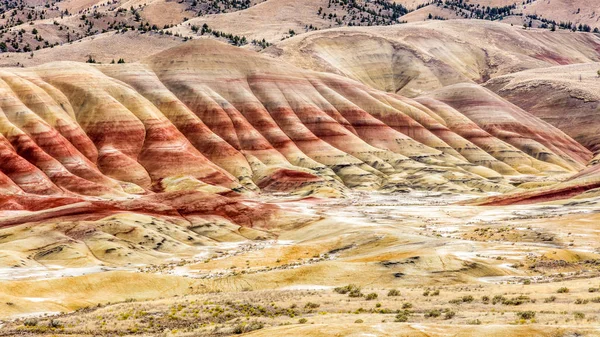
(350,174)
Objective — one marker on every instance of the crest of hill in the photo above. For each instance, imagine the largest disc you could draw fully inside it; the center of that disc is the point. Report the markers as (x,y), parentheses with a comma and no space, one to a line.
(411,59)
(566,97)
(206,117)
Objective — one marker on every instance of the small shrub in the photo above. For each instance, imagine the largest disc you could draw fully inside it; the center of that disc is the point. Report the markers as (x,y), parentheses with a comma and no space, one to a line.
(579,315)
(433,313)
(526,314)
(371,296)
(402,316)
(346,289)
(359,321)
(498,298)
(30,322)
(247,327)
(449,314)
(464,299)
(407,305)
(302,320)
(550,299)
(351,289)
(562,290)
(393,292)
(55,324)
(311,305)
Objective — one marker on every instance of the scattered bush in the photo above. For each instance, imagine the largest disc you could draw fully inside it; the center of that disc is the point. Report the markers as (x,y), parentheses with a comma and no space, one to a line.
(247,327)
(393,292)
(562,290)
(351,289)
(302,320)
(526,314)
(31,322)
(464,299)
(311,305)
(371,296)
(433,313)
(402,316)
(449,314)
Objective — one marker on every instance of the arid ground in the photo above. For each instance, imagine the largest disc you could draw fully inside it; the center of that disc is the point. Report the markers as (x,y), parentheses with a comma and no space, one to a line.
(300,168)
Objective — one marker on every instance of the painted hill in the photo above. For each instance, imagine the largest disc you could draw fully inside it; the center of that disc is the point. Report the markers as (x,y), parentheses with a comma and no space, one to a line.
(566,97)
(411,59)
(211,118)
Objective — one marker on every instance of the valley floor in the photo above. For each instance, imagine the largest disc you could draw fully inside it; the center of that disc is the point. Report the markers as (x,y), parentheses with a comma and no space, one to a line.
(410,264)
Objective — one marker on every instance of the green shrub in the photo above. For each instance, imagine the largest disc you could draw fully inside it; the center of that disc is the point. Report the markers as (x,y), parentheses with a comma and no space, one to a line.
(351,289)
(393,292)
(371,296)
(402,316)
(30,322)
(449,314)
(433,313)
(526,314)
(311,305)
(247,327)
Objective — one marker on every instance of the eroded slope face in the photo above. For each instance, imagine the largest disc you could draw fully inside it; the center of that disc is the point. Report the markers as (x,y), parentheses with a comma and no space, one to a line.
(140,162)
(566,97)
(414,58)
(213,118)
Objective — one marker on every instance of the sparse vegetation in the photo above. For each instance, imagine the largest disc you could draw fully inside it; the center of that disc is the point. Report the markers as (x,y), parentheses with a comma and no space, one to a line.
(394,292)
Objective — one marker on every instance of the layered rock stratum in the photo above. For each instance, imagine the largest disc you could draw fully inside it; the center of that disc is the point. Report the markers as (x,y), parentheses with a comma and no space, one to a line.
(448,170)
(205,118)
